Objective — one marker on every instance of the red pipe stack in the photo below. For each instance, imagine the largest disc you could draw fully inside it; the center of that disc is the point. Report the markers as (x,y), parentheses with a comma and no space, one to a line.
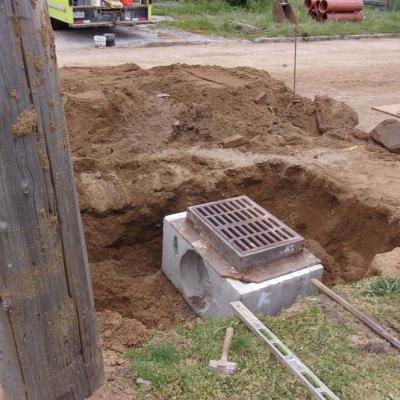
(335,10)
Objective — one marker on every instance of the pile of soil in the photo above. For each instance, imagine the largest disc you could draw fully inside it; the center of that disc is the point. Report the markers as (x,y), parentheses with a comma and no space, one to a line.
(123,111)
(147,143)
(119,333)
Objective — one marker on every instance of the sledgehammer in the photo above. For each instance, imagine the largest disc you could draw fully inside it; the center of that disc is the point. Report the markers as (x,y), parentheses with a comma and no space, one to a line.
(223,366)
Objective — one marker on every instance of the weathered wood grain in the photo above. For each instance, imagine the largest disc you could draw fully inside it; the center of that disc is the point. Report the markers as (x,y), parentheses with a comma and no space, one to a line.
(50,347)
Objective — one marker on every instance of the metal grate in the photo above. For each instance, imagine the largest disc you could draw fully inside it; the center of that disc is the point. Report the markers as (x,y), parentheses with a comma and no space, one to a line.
(241,226)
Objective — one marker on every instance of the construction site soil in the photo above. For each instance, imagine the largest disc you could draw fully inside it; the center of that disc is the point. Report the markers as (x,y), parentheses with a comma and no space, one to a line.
(147,143)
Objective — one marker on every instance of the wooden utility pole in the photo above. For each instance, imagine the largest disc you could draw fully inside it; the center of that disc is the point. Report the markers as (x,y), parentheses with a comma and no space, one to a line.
(49,343)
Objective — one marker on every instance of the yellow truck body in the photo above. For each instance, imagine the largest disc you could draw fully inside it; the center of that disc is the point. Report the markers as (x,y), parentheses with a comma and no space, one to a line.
(93,13)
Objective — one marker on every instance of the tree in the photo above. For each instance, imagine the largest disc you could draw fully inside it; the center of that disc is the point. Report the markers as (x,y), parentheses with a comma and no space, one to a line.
(49,343)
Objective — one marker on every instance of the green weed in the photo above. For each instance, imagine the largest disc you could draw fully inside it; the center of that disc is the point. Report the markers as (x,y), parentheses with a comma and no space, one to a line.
(219,17)
(382,286)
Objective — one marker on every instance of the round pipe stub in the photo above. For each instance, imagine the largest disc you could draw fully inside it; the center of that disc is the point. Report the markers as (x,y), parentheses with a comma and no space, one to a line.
(196,282)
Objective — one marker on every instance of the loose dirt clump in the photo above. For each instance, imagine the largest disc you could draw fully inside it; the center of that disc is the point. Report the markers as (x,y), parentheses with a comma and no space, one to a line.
(386,264)
(139,156)
(333,115)
(118,380)
(118,332)
(25,123)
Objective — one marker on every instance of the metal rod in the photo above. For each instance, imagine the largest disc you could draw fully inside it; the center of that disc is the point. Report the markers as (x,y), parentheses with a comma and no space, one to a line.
(295,59)
(379,329)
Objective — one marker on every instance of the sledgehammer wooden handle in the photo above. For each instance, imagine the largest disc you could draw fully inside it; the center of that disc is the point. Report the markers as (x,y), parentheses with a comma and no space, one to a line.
(227,344)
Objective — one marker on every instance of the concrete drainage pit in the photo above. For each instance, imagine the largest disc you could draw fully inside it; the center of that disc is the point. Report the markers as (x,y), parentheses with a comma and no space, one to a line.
(196,283)
(234,250)
(125,246)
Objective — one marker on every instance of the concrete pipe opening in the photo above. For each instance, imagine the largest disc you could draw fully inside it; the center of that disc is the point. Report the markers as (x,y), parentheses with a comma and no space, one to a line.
(196,281)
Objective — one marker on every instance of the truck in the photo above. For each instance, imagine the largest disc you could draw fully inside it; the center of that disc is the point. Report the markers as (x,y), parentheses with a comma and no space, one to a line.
(97,13)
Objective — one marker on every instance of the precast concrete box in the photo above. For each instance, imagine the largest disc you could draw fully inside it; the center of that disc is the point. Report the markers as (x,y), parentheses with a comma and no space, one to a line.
(234,250)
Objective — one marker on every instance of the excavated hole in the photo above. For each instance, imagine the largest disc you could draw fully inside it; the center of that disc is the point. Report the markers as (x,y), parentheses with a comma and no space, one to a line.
(340,229)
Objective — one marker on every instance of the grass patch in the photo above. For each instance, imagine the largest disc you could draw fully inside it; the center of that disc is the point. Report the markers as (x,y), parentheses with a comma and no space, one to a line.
(383,308)
(382,286)
(177,363)
(215,18)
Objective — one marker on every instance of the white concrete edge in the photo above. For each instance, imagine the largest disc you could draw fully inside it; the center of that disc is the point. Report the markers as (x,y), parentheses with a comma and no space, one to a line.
(174,217)
(245,288)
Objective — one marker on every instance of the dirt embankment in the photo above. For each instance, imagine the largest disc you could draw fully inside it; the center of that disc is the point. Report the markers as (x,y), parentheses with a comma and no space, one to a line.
(146,143)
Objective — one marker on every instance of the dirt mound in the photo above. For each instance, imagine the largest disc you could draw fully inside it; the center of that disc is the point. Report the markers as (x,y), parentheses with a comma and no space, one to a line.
(119,333)
(386,264)
(333,115)
(127,110)
(135,135)
(147,143)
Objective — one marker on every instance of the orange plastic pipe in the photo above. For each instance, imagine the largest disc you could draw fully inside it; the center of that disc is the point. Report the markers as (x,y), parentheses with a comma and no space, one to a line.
(310,4)
(355,16)
(344,6)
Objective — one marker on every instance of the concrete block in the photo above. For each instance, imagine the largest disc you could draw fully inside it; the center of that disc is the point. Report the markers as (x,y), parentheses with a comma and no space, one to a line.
(190,266)
(387,133)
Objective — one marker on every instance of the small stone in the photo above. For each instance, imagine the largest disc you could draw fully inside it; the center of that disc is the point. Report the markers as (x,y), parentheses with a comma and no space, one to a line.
(107,333)
(111,376)
(162,95)
(190,325)
(124,371)
(144,385)
(234,141)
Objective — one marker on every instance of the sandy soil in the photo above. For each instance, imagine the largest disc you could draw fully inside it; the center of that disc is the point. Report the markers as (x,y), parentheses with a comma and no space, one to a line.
(361,73)
(140,155)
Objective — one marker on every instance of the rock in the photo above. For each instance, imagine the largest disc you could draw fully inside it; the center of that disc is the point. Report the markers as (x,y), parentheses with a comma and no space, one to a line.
(234,141)
(144,385)
(260,97)
(387,134)
(333,115)
(386,264)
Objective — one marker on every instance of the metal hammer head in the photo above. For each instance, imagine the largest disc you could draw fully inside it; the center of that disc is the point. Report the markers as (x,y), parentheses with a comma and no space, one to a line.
(223,367)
